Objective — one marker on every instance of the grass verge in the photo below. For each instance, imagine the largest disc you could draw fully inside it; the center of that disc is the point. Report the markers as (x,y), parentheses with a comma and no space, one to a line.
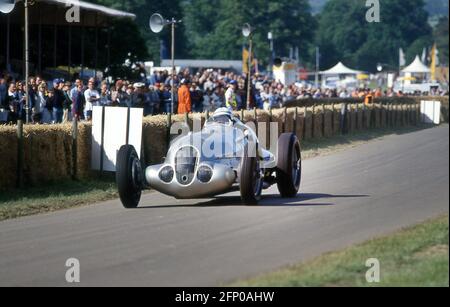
(67,194)
(416,256)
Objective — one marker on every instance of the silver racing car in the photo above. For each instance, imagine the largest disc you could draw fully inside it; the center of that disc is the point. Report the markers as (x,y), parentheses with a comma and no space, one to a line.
(224,156)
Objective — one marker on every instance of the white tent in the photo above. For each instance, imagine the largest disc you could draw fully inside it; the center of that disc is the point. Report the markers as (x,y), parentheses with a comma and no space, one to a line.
(340,69)
(416,67)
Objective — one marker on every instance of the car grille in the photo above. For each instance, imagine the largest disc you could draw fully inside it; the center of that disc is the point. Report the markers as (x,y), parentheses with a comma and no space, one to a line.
(186,161)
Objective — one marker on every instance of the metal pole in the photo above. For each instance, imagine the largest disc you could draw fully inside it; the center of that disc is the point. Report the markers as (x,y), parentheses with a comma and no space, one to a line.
(82,52)
(317,67)
(40,42)
(69,56)
(27,73)
(249,83)
(19,153)
(8,30)
(55,35)
(96,48)
(173,67)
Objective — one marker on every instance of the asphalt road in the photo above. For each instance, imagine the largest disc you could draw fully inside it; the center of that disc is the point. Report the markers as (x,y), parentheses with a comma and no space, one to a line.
(348,197)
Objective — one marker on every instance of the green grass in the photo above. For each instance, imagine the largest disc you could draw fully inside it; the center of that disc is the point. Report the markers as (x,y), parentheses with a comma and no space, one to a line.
(416,256)
(51,197)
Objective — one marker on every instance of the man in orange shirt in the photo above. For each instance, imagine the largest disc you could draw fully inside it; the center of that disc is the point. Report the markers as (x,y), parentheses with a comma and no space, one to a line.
(184,98)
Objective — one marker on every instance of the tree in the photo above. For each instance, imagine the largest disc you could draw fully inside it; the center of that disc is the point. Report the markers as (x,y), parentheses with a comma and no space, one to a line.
(441,38)
(214,27)
(345,35)
(143,9)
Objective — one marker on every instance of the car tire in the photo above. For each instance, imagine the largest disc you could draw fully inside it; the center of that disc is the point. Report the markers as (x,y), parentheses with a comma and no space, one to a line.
(289,165)
(129,176)
(250,179)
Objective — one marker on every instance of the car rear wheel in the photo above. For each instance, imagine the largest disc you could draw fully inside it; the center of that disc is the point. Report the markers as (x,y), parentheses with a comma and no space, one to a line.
(129,176)
(289,165)
(251,178)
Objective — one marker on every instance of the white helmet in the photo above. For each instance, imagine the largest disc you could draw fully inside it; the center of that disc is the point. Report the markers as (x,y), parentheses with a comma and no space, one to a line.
(223,112)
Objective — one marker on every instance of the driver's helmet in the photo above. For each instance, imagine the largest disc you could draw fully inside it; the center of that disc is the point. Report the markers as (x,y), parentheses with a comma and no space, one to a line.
(223,113)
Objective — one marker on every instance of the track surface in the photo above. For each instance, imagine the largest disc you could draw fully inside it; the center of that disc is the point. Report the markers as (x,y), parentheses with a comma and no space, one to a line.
(347,197)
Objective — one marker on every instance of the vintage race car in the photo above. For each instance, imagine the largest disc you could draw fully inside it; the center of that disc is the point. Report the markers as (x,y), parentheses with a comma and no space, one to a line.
(224,156)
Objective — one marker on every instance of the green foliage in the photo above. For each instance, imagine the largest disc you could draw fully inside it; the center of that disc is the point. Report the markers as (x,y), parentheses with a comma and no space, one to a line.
(214,27)
(211,29)
(344,34)
(143,9)
(441,37)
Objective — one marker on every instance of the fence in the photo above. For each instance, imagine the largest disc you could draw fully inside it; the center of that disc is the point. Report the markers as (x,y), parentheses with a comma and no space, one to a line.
(35,155)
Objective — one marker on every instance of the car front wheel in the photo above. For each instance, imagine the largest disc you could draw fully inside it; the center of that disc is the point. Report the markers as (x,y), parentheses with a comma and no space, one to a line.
(289,165)
(129,176)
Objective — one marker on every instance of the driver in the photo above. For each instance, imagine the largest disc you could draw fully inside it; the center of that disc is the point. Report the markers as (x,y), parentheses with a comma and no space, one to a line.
(225,116)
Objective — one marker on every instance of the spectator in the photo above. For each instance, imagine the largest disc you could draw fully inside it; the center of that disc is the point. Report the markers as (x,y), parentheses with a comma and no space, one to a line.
(196,98)
(57,101)
(79,102)
(92,98)
(67,105)
(44,109)
(208,101)
(218,98)
(12,102)
(166,99)
(153,101)
(230,96)
(3,92)
(184,98)
(138,96)
(105,95)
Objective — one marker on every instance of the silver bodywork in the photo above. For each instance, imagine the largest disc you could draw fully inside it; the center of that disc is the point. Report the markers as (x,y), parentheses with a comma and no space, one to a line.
(218,147)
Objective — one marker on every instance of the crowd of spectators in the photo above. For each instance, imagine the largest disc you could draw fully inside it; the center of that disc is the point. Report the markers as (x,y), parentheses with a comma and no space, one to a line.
(59,101)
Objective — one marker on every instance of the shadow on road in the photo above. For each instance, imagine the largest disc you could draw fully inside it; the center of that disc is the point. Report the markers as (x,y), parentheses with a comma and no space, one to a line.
(270,200)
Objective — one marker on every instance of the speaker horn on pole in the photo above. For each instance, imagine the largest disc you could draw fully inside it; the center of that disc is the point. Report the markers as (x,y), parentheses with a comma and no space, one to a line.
(247,30)
(157,23)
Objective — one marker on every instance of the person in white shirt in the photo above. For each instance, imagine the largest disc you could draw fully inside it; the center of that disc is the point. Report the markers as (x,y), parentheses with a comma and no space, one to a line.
(230,96)
(92,99)
(344,94)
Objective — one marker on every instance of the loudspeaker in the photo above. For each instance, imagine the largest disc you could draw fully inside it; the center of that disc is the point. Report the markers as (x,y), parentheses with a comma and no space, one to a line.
(157,23)
(247,30)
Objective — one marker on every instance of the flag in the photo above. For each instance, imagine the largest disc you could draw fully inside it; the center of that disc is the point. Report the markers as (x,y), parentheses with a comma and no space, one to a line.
(402,58)
(245,59)
(245,56)
(434,62)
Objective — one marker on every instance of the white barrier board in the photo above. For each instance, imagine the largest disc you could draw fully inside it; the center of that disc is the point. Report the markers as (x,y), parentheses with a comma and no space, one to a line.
(114,131)
(430,112)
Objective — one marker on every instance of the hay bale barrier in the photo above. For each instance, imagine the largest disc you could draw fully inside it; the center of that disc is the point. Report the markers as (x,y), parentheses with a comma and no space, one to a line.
(154,136)
(48,149)
(328,122)
(308,133)
(84,147)
(8,152)
(318,123)
(47,153)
